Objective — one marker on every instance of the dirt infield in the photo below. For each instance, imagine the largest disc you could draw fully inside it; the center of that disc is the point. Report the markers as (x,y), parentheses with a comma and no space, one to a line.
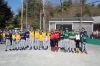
(48,58)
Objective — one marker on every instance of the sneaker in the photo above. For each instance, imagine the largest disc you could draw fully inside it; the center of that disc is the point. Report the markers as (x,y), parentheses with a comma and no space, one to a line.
(5,50)
(30,48)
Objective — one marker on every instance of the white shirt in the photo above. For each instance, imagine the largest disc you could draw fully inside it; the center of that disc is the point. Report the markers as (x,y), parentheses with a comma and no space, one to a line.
(77,37)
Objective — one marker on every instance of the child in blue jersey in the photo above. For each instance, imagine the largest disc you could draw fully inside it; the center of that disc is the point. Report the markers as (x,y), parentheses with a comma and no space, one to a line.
(8,43)
(27,38)
(23,38)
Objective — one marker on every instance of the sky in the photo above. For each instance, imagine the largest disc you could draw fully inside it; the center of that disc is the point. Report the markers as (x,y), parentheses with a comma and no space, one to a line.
(15,4)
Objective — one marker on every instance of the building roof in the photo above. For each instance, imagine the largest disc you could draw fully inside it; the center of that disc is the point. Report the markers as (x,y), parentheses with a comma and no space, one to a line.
(96,19)
(72,19)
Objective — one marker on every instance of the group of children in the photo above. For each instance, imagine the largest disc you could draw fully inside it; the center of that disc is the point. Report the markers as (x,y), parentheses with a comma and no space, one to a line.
(69,41)
(37,40)
(27,40)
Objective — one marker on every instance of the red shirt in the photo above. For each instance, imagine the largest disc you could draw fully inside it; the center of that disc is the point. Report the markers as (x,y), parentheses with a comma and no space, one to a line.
(52,36)
(56,35)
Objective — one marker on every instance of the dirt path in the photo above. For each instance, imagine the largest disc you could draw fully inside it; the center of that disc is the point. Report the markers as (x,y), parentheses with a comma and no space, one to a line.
(48,58)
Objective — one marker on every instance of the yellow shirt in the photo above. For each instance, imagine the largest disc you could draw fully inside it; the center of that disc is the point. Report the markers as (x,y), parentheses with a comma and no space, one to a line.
(37,35)
(48,34)
(31,34)
(3,35)
(44,34)
(13,36)
(41,38)
(18,37)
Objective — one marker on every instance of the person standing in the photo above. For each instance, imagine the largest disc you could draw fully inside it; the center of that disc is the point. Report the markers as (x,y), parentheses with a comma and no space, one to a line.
(14,41)
(8,43)
(22,42)
(4,36)
(82,33)
(18,38)
(61,42)
(41,38)
(44,39)
(37,43)
(72,41)
(83,43)
(66,40)
(31,36)
(52,44)
(77,40)
(27,39)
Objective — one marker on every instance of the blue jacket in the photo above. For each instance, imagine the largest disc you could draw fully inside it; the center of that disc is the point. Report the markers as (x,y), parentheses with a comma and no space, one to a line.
(23,36)
(27,34)
(7,36)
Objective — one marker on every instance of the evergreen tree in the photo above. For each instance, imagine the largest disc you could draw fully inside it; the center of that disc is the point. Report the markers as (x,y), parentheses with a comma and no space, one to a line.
(5,13)
(34,8)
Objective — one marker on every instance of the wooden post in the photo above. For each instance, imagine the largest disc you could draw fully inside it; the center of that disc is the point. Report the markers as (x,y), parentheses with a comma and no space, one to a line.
(81,18)
(44,28)
(26,13)
(21,15)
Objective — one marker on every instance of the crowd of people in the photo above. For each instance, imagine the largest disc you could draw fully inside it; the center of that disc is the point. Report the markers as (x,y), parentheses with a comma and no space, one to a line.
(95,35)
(66,41)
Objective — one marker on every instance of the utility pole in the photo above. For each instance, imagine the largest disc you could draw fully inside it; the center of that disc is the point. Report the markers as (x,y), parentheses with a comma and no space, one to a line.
(21,15)
(43,2)
(61,4)
(26,14)
(81,18)
(61,9)
(40,20)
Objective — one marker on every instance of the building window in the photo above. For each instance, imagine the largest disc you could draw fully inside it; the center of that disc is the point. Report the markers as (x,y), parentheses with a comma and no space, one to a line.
(96,27)
(64,26)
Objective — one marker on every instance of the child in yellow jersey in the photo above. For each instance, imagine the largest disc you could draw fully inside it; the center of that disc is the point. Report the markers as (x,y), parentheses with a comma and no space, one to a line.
(48,34)
(41,37)
(3,35)
(31,34)
(37,35)
(44,34)
(14,41)
(18,40)
(31,38)
(37,43)
(40,41)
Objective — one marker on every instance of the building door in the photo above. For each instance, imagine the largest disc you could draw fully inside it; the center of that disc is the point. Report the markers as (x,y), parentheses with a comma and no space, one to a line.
(64,26)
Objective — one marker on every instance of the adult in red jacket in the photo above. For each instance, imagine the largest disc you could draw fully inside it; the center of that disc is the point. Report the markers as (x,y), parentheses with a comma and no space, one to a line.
(52,42)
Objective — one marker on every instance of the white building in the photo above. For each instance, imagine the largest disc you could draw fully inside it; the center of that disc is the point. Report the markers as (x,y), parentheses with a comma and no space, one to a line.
(89,23)
(96,24)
